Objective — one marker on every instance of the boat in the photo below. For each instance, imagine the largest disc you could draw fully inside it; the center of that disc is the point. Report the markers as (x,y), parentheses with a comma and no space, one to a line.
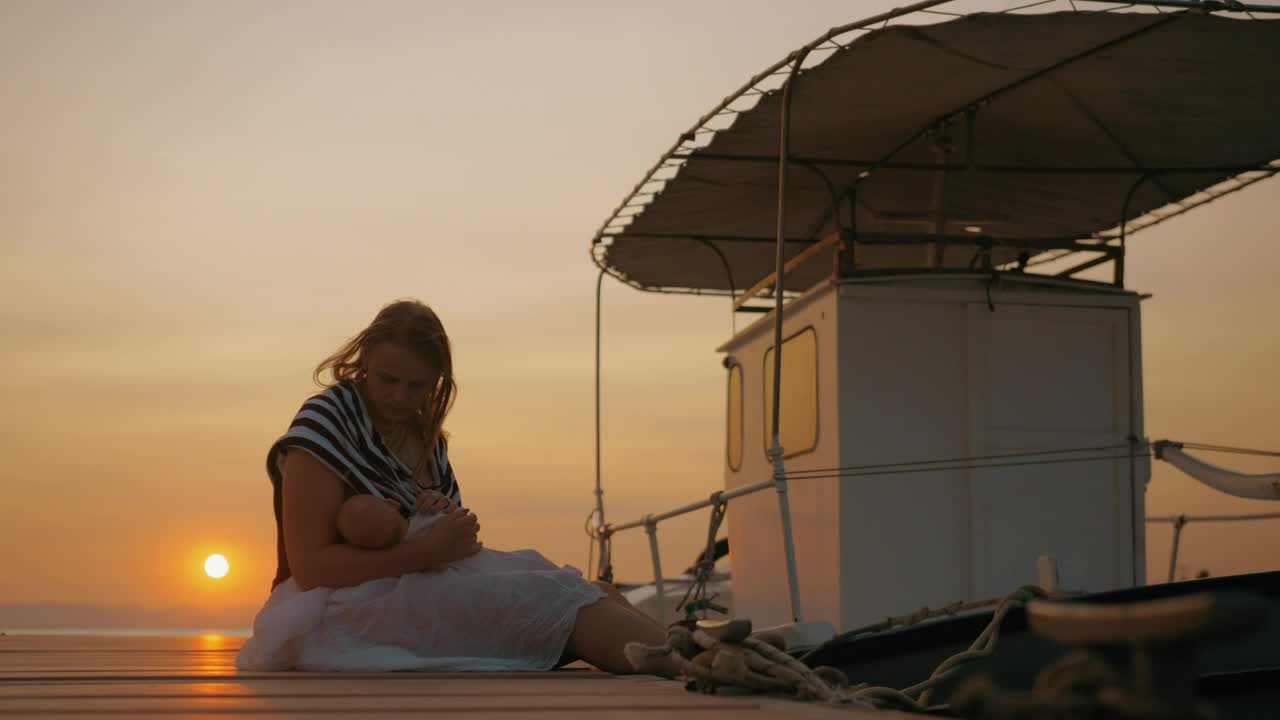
(939,402)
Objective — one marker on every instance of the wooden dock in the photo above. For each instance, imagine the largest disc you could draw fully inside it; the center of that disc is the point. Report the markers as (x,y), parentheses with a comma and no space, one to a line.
(195,677)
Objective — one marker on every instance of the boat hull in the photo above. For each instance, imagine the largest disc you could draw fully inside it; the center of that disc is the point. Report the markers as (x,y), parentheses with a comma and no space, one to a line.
(1239,675)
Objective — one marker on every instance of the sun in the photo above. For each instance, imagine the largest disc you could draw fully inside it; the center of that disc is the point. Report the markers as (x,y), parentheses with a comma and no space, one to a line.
(216,566)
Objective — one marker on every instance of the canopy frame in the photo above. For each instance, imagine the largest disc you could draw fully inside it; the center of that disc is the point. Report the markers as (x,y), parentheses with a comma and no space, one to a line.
(1107,244)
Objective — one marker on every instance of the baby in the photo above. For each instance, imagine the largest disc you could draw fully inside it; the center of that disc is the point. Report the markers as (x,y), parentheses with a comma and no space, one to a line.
(371,522)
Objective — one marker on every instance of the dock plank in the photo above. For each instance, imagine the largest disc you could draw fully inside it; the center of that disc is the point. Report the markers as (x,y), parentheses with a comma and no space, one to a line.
(53,677)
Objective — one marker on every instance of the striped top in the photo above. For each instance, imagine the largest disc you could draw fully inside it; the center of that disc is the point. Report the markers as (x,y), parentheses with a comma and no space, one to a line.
(336,428)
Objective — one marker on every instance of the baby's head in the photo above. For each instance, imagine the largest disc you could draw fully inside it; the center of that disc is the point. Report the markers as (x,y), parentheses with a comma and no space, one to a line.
(370,522)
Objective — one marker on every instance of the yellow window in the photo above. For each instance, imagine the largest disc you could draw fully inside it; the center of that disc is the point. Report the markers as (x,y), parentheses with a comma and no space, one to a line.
(798,420)
(733,432)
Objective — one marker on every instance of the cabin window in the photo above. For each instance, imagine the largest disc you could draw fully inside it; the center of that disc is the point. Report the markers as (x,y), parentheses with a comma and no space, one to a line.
(733,432)
(798,420)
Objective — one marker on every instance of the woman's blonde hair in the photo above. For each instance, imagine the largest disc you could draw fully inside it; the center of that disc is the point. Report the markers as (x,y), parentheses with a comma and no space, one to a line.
(414,326)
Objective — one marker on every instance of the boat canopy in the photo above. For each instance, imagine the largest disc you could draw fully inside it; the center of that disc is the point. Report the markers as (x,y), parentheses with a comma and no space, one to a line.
(990,141)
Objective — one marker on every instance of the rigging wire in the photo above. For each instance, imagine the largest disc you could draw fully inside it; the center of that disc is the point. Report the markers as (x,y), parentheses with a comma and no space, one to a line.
(968,458)
(1100,453)
(971,466)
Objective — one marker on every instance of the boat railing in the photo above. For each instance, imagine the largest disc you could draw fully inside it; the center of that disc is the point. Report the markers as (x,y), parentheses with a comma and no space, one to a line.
(650,525)
(1180,521)
(602,534)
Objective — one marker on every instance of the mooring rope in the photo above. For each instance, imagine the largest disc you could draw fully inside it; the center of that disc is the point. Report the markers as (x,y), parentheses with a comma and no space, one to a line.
(759,663)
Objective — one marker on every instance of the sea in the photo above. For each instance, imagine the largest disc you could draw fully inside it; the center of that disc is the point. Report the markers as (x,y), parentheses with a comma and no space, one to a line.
(131,632)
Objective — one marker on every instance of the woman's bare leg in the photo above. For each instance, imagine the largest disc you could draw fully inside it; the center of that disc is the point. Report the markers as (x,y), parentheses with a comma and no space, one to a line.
(612,591)
(616,595)
(604,628)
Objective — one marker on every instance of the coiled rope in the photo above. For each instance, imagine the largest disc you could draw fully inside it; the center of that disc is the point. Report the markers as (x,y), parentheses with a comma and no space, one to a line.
(757,663)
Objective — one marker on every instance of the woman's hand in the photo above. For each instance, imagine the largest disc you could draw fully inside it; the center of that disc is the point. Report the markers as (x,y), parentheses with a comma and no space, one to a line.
(433,501)
(453,536)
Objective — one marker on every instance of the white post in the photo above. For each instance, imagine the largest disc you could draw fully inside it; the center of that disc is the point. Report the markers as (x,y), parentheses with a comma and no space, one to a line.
(1178,523)
(651,529)
(784,509)
(1047,574)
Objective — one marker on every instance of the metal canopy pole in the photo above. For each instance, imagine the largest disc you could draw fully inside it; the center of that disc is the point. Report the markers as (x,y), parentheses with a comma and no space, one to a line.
(651,529)
(1124,223)
(775,449)
(733,289)
(605,570)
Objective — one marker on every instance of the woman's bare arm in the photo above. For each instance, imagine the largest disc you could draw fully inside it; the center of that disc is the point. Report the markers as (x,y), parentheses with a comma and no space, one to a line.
(312,496)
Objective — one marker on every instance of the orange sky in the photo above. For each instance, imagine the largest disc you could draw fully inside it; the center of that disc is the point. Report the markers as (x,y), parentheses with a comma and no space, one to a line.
(198,201)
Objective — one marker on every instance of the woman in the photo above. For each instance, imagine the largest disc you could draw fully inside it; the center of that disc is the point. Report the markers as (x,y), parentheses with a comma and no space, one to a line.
(437,600)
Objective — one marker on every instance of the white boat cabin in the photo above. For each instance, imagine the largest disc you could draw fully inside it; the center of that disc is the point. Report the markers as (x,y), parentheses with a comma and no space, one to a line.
(878,373)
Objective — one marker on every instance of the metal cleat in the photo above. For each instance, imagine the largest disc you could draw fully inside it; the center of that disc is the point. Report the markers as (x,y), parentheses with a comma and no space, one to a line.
(725,631)
(1130,662)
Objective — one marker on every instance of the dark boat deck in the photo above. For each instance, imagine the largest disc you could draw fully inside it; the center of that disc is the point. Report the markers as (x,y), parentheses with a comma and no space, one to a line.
(195,677)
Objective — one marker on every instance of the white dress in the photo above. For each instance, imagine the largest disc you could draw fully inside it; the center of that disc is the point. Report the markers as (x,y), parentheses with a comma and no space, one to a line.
(493,611)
